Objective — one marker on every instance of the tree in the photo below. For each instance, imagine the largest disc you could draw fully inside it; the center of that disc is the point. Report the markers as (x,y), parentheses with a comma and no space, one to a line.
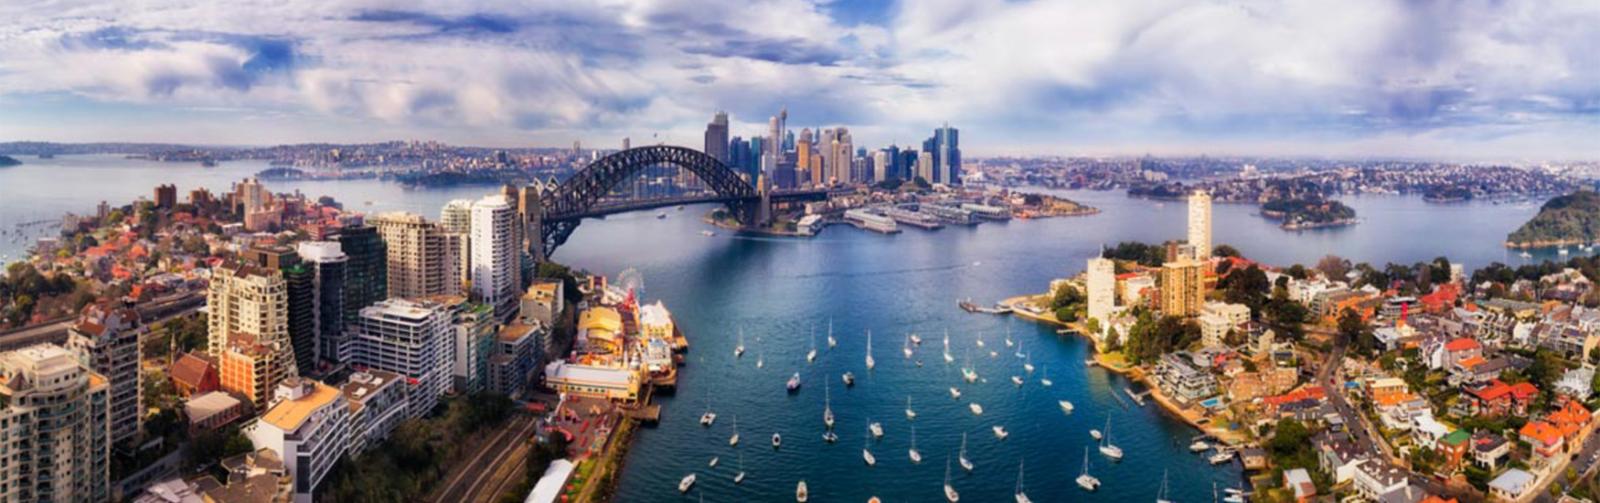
(1249,287)
(1354,331)
(1225,251)
(1439,271)
(1297,271)
(1333,267)
(1113,340)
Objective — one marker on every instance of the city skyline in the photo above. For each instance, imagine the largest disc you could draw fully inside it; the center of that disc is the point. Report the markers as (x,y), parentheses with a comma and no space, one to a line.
(1479,82)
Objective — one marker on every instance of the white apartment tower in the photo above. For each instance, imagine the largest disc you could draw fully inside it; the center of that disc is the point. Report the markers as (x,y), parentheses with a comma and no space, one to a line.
(1200,223)
(423,259)
(495,258)
(309,427)
(414,338)
(55,432)
(1102,285)
(246,299)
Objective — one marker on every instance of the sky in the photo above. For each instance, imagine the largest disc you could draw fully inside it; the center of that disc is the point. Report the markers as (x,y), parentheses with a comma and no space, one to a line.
(1470,79)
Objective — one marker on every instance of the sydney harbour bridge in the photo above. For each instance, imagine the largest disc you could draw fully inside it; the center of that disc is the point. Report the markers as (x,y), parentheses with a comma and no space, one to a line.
(602,188)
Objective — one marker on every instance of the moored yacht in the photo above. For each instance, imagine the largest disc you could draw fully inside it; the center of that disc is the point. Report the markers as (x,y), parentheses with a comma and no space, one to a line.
(1066,406)
(794,383)
(685,483)
(1086,481)
(955,393)
(1000,432)
(977,410)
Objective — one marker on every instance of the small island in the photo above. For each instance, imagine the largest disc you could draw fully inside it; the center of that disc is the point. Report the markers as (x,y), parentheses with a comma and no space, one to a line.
(1572,219)
(7,161)
(1308,213)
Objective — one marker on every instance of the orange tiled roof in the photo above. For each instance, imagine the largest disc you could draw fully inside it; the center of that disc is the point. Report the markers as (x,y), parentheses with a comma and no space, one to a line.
(1542,432)
(1462,344)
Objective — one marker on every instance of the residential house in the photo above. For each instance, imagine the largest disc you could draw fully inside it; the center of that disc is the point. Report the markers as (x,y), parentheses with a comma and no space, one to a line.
(1511,485)
(1180,378)
(1489,450)
(1299,481)
(1498,398)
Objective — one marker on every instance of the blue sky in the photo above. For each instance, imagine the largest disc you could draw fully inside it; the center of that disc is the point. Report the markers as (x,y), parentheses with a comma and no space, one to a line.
(1470,80)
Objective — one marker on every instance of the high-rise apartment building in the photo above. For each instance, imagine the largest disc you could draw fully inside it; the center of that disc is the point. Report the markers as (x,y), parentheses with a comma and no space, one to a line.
(248,300)
(717,138)
(106,339)
(54,427)
(1182,287)
(456,218)
(474,343)
(423,258)
(366,270)
(166,196)
(496,263)
(309,428)
(300,282)
(327,264)
(1102,284)
(415,338)
(252,368)
(1200,223)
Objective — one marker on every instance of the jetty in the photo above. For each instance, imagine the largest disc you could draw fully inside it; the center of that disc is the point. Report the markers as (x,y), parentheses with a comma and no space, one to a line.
(968,306)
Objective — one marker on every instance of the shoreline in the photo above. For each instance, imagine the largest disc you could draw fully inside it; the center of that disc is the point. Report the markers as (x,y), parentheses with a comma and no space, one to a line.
(1546,243)
(1118,367)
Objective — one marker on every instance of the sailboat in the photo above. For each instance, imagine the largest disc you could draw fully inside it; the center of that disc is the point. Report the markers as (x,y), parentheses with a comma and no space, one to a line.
(811,356)
(947,358)
(967,372)
(906,348)
(916,456)
(870,362)
(1107,448)
(709,417)
(1046,379)
(761,359)
(1086,481)
(866,455)
(734,440)
(966,464)
(827,405)
(1022,497)
(910,414)
(1009,342)
(1027,364)
(949,491)
(1161,497)
(739,477)
(832,343)
(916,340)
(738,351)
(980,340)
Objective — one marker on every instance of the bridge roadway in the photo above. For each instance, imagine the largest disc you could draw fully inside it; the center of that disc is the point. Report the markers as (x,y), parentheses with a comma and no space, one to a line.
(153,312)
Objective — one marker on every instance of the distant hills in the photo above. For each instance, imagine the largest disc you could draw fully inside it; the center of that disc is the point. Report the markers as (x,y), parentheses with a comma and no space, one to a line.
(1571,219)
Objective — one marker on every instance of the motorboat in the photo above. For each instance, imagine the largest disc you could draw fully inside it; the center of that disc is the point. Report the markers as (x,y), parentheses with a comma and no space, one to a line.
(1000,432)
(1066,406)
(801,494)
(794,383)
(977,410)
(955,393)
(876,429)
(849,379)
(777,440)
(714,461)
(685,483)
(1017,380)
(1199,446)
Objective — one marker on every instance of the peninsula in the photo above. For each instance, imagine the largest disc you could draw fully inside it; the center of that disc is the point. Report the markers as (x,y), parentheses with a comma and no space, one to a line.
(1572,219)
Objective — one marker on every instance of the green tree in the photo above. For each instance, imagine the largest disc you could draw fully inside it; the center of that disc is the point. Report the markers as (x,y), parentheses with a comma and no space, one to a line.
(1225,251)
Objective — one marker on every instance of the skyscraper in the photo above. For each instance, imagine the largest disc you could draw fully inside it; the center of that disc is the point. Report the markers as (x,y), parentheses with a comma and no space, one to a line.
(1182,287)
(106,338)
(249,306)
(53,427)
(1200,223)
(300,281)
(946,143)
(802,159)
(1102,285)
(456,218)
(327,263)
(423,258)
(366,272)
(840,154)
(495,262)
(717,138)
(881,166)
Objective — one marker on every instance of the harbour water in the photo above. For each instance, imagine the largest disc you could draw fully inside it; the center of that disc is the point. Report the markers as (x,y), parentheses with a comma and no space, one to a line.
(780,291)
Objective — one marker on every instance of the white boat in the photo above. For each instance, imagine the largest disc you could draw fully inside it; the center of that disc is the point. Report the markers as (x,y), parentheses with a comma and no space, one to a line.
(830,437)
(739,477)
(738,351)
(980,340)
(811,356)
(714,461)
(1095,434)
(1066,406)
(1161,497)
(661,215)
(910,414)
(1009,343)
(777,440)
(849,379)
(876,429)
(800,492)
(966,464)
(916,456)
(955,393)
(686,483)
(761,360)
(1028,365)
(968,373)
(993,354)
(1022,497)
(1221,457)
(832,343)
(870,362)
(1525,255)
(794,383)
(1086,481)
(1562,252)
(734,440)
(708,418)
(906,348)
(915,339)
(949,491)
(1017,380)
(1045,379)
(866,455)
(977,410)
(1199,446)
(1000,432)
(707,233)
(827,405)
(947,357)
(1107,448)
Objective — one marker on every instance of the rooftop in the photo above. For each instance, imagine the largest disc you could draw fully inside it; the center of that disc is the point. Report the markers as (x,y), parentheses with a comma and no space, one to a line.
(289,415)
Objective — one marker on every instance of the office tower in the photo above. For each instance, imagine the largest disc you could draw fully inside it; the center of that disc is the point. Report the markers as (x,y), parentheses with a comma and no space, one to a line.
(839,155)
(495,261)
(1102,285)
(1182,287)
(246,301)
(106,339)
(366,270)
(881,168)
(166,196)
(1200,223)
(327,263)
(717,138)
(300,282)
(894,171)
(474,342)
(423,258)
(309,429)
(925,166)
(54,428)
(415,338)
(802,158)
(946,148)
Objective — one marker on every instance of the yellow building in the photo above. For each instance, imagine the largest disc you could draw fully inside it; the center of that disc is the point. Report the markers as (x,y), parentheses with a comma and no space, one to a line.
(593,381)
(601,328)
(1182,287)
(655,321)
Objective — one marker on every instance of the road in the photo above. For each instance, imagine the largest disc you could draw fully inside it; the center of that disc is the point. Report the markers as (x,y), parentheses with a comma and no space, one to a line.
(484,474)
(153,312)
(1357,424)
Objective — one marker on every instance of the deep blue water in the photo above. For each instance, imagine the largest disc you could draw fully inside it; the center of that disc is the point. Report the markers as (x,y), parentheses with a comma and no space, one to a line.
(780,290)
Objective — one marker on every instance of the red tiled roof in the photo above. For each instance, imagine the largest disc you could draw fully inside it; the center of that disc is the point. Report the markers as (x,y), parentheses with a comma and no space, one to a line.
(1497,390)
(1542,432)
(1462,344)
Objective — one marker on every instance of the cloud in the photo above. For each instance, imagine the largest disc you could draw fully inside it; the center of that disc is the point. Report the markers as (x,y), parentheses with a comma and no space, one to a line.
(1018,75)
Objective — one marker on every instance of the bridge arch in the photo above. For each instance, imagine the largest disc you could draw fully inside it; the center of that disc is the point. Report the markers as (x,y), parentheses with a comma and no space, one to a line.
(581,195)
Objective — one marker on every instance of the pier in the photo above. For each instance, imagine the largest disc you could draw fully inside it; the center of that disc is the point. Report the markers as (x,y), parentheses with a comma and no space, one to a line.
(968,306)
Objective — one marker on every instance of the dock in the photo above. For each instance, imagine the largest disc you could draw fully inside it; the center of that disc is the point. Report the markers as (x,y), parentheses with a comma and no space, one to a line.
(968,306)
(1138,397)
(645,414)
